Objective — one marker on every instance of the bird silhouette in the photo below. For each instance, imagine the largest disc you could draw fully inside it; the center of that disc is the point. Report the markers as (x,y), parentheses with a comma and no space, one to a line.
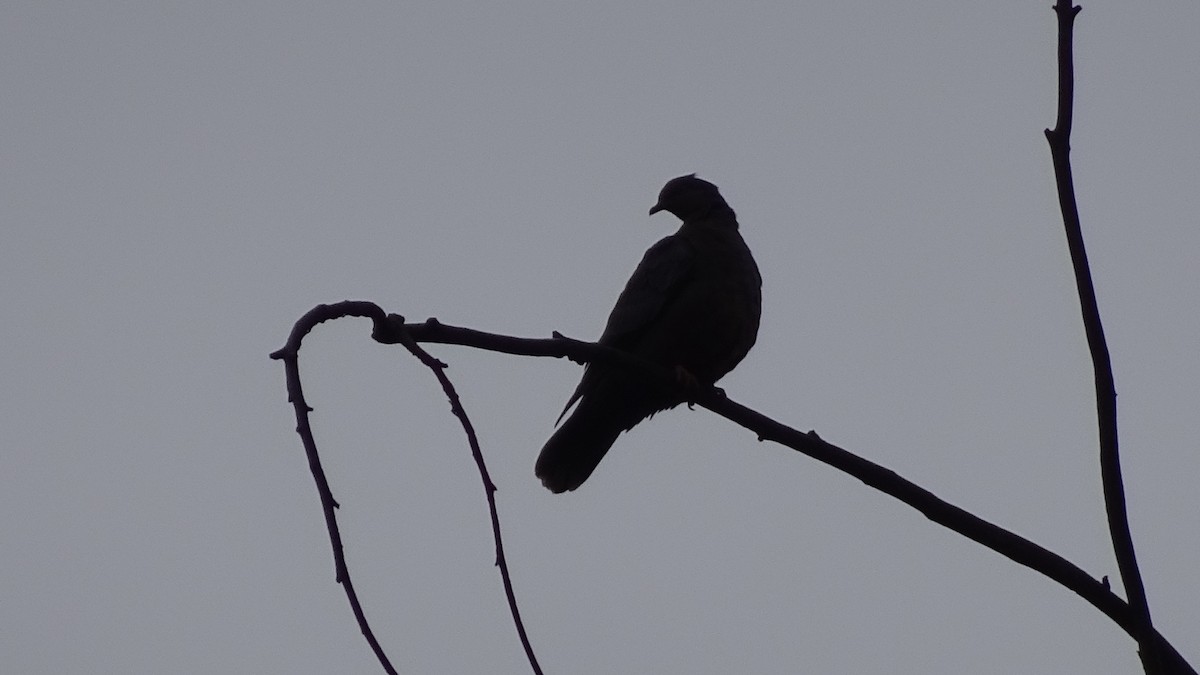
(693,305)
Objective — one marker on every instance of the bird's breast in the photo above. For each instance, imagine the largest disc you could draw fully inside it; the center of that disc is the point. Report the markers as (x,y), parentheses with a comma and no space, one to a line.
(714,321)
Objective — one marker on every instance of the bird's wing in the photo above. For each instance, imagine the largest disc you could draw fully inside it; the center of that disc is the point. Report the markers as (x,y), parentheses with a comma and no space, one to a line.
(660,277)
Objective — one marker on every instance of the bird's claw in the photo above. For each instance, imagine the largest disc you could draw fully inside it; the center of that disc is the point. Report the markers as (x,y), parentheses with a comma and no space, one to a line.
(690,385)
(686,379)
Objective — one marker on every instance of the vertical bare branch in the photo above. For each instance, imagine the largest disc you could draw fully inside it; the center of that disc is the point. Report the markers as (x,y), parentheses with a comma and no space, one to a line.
(1106,394)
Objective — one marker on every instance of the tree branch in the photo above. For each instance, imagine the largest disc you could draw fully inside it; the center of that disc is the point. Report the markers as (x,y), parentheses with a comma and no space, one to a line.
(439,370)
(392,329)
(289,354)
(1008,544)
(1059,139)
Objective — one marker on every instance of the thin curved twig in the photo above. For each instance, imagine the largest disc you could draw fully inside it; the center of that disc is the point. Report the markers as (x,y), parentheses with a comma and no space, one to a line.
(1059,139)
(289,354)
(439,371)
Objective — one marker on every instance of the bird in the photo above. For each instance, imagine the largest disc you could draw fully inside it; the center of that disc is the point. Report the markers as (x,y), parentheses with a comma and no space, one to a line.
(692,305)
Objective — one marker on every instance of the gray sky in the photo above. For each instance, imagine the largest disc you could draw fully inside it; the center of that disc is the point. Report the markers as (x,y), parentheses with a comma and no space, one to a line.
(181,181)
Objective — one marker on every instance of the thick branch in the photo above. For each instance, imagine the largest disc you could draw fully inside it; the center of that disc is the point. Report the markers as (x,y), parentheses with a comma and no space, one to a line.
(391,329)
(1106,394)
(1002,541)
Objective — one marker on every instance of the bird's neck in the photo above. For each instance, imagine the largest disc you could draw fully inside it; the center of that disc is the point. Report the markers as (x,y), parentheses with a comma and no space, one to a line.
(720,217)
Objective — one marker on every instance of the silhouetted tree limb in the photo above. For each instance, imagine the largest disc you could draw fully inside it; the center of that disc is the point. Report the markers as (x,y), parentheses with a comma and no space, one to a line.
(392,329)
(439,370)
(290,354)
(1106,394)
(998,539)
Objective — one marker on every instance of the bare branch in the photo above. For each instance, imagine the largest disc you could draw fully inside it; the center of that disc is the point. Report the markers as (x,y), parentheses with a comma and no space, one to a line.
(1106,393)
(290,357)
(289,354)
(439,370)
(998,539)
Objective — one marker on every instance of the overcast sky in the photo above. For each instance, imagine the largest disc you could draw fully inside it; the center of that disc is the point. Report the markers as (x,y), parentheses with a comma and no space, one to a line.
(181,181)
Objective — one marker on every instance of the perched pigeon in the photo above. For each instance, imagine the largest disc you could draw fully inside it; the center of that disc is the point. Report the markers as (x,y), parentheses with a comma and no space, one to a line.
(692,305)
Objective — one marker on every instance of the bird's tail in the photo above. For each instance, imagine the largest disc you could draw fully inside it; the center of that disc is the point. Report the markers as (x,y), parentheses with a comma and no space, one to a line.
(576,448)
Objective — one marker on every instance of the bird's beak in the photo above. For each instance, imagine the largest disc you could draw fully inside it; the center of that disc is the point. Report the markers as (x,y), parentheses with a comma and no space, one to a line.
(656,208)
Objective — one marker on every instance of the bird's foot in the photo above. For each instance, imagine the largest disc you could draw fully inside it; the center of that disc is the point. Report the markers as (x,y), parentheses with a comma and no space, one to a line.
(688,382)
(555,335)
(685,378)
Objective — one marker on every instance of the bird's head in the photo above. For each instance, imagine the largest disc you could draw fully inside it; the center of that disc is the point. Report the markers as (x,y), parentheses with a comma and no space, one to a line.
(689,198)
